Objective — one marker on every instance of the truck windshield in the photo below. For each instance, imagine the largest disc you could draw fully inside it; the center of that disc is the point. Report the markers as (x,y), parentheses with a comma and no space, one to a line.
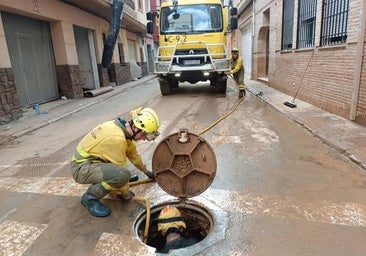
(187,19)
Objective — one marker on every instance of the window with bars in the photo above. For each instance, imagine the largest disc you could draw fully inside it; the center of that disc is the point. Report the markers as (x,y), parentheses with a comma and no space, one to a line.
(306,24)
(334,23)
(287,24)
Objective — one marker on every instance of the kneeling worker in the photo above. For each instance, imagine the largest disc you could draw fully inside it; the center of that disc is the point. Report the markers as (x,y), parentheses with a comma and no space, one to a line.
(100,158)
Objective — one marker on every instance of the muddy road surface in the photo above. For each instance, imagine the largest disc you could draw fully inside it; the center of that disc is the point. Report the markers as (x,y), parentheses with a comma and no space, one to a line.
(277,189)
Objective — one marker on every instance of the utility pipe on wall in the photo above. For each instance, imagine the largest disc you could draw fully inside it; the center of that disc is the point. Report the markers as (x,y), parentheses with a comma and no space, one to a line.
(114,27)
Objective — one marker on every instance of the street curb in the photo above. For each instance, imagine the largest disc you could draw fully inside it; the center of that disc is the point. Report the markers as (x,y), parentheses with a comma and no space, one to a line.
(99,98)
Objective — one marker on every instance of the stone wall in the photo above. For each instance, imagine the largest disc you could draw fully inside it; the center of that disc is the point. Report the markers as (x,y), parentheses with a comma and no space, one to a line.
(144,69)
(69,81)
(103,76)
(120,73)
(10,109)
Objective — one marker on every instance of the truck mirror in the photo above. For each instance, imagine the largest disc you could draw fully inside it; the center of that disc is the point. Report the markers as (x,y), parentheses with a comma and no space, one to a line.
(150,16)
(150,28)
(233,23)
(233,11)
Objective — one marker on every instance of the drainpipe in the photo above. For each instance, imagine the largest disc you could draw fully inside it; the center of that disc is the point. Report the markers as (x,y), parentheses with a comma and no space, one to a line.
(114,26)
(359,54)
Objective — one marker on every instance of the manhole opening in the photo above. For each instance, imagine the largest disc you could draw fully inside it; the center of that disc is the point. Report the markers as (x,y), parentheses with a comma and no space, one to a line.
(198,220)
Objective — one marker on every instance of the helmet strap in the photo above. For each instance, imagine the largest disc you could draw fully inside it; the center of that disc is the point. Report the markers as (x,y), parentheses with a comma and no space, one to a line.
(134,133)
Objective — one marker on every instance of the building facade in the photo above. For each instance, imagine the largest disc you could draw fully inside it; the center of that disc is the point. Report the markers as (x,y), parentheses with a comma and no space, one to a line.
(314,47)
(50,49)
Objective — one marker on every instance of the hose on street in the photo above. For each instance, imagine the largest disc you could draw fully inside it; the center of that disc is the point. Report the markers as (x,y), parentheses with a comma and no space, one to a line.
(227,114)
(146,201)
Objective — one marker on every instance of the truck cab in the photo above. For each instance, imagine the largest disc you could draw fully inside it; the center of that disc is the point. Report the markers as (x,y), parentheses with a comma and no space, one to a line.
(192,43)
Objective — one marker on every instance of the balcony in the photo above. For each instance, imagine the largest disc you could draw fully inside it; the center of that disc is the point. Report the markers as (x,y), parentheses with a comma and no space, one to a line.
(103,9)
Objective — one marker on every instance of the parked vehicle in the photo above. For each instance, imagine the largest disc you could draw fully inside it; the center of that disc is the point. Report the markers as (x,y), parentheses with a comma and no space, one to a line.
(192,42)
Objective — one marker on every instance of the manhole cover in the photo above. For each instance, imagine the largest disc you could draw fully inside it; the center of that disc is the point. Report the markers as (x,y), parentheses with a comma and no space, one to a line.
(184,164)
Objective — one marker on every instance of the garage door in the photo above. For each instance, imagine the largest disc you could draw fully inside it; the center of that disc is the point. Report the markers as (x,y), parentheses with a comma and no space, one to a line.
(31,56)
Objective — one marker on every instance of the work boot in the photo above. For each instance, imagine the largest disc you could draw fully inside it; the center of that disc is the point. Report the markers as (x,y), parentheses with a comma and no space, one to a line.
(241,93)
(95,208)
(91,197)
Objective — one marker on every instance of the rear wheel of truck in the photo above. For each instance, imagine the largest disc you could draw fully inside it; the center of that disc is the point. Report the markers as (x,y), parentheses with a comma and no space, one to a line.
(221,86)
(165,88)
(213,82)
(174,84)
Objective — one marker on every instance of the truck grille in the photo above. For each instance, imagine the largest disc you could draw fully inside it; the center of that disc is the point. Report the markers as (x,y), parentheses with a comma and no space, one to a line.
(191,57)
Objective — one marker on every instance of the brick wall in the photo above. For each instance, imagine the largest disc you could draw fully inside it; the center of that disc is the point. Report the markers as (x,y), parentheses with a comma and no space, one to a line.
(361,106)
(329,80)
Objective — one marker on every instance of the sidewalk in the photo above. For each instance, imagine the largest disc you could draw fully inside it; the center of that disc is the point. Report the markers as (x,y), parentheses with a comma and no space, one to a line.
(345,136)
(56,110)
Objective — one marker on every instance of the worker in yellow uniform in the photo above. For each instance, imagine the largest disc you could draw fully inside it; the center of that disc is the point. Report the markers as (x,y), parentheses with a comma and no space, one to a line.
(100,158)
(237,70)
(171,225)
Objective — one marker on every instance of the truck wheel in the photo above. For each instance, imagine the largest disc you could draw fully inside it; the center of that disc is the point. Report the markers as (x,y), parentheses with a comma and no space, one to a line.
(213,82)
(174,84)
(221,86)
(165,88)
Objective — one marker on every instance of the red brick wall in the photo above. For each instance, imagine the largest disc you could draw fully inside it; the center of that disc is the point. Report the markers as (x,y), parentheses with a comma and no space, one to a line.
(329,80)
(361,107)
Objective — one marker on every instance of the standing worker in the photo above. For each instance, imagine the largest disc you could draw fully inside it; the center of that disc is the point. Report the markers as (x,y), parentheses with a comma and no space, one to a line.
(237,70)
(171,225)
(101,157)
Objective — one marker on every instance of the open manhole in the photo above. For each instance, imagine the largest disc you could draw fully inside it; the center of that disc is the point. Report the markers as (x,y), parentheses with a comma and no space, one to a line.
(199,224)
(184,165)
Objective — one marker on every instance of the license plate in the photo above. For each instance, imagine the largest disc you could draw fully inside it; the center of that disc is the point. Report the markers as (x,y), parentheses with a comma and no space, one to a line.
(191,62)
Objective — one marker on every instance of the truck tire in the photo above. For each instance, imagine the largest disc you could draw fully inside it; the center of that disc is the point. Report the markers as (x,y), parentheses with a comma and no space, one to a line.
(213,82)
(165,88)
(221,86)
(174,84)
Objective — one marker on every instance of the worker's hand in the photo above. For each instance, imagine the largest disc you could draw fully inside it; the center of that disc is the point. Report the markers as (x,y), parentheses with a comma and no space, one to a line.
(150,174)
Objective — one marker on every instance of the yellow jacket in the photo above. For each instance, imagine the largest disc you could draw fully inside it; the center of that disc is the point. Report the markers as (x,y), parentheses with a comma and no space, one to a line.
(110,143)
(236,65)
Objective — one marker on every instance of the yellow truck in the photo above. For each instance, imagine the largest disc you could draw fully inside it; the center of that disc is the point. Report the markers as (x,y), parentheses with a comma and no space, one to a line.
(192,42)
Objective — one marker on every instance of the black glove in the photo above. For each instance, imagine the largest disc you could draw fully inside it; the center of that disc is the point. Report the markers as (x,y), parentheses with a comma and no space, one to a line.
(134,177)
(150,174)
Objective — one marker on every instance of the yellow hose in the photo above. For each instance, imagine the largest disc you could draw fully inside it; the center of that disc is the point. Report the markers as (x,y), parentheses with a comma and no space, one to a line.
(146,201)
(226,115)
(147,222)
(134,183)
